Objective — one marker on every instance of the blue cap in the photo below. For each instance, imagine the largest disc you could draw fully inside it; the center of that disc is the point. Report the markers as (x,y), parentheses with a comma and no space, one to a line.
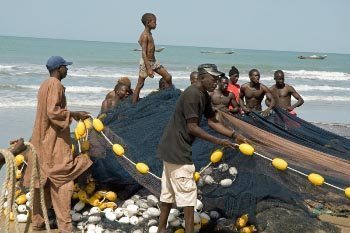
(56,61)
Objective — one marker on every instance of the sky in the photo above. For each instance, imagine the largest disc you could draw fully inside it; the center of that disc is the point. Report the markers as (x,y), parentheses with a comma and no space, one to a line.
(287,25)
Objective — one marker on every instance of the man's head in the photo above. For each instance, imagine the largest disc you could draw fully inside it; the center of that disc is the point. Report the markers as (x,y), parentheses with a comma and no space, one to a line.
(126,81)
(208,75)
(121,90)
(279,77)
(254,76)
(57,66)
(149,20)
(223,83)
(163,84)
(193,76)
(233,74)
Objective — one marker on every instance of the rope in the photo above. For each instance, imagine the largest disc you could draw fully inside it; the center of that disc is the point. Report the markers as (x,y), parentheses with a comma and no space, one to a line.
(299,172)
(34,176)
(130,161)
(9,190)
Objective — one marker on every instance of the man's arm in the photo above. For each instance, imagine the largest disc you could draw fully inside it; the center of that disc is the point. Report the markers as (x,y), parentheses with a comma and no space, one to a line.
(299,99)
(144,46)
(195,130)
(267,101)
(241,100)
(269,96)
(234,104)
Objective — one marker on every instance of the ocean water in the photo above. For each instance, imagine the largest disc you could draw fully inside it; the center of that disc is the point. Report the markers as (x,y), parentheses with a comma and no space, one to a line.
(324,84)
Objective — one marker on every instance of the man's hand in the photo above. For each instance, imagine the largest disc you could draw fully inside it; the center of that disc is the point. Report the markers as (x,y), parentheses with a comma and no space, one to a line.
(226,143)
(80,115)
(240,139)
(150,73)
(246,110)
(290,109)
(266,112)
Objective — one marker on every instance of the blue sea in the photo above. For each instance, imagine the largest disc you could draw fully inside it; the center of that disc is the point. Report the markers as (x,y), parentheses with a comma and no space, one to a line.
(324,84)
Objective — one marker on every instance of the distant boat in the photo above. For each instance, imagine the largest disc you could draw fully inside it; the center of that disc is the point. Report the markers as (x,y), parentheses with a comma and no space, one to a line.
(157,50)
(320,57)
(219,52)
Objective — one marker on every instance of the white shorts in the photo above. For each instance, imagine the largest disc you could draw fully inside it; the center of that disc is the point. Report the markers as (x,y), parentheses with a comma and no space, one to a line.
(178,185)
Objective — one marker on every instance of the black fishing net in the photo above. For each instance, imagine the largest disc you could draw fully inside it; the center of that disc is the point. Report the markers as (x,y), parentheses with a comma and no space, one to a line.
(293,128)
(258,189)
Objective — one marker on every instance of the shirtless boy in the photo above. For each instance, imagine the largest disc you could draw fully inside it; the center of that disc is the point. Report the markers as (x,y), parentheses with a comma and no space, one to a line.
(221,98)
(282,93)
(148,62)
(253,93)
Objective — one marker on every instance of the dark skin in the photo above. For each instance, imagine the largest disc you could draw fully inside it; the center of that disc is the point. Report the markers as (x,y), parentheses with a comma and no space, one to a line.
(193,77)
(282,94)
(148,49)
(221,98)
(114,97)
(206,82)
(253,93)
(60,73)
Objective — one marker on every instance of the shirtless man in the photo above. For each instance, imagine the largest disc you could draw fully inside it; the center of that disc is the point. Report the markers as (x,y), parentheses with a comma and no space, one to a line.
(148,62)
(253,93)
(221,98)
(112,99)
(282,93)
(193,77)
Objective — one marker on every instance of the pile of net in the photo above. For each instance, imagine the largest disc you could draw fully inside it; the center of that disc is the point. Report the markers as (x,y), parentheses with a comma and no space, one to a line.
(275,201)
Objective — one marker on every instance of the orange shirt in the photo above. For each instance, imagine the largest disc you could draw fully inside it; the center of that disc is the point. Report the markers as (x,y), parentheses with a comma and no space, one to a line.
(235,89)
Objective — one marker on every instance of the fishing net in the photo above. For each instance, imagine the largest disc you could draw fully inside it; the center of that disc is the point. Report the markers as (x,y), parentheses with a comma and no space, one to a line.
(295,129)
(257,189)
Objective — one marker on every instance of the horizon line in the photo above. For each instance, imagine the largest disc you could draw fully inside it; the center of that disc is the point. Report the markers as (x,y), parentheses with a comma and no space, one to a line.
(273,50)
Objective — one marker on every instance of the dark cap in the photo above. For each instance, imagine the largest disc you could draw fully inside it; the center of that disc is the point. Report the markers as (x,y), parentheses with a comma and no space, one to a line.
(56,61)
(210,69)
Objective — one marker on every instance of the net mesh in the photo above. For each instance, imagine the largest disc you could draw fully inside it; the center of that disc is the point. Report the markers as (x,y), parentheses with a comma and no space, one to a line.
(258,189)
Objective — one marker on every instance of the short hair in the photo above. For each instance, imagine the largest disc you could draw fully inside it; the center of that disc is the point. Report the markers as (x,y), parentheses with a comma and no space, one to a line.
(252,71)
(118,86)
(278,72)
(124,81)
(161,82)
(194,74)
(233,71)
(147,17)
(223,78)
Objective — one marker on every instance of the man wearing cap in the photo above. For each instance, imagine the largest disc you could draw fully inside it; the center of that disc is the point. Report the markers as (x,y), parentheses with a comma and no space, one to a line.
(178,185)
(51,139)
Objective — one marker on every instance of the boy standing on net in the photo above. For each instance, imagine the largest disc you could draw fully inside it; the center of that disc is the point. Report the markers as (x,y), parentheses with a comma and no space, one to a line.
(148,62)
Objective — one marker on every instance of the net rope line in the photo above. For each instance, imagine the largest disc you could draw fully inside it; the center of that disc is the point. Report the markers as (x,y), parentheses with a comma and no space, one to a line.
(10,186)
(125,157)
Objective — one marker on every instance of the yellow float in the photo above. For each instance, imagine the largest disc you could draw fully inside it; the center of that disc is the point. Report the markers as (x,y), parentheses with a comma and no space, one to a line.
(19,159)
(118,149)
(88,123)
(246,149)
(81,128)
(98,125)
(316,179)
(196,176)
(142,168)
(347,192)
(279,164)
(216,156)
